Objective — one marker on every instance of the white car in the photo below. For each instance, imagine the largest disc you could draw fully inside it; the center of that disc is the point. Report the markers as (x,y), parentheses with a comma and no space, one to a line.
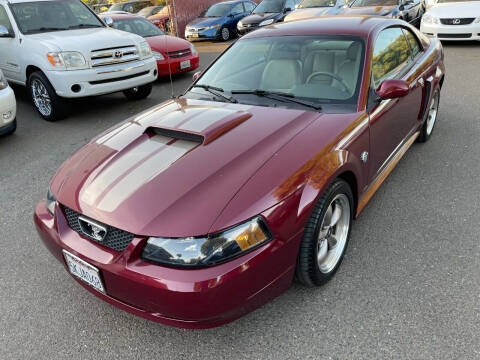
(60,49)
(452,20)
(8,108)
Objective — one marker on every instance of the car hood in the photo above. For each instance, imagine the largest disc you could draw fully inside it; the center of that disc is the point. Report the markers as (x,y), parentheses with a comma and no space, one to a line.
(164,43)
(456,10)
(172,170)
(86,40)
(369,10)
(204,22)
(258,18)
(310,12)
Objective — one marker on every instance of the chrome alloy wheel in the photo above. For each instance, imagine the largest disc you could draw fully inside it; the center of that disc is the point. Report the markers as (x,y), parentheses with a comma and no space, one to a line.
(225,34)
(432,113)
(41,98)
(333,233)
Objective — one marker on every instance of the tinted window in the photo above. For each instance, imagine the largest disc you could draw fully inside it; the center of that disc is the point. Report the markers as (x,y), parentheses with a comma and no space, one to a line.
(237,9)
(4,21)
(317,3)
(390,55)
(269,6)
(249,6)
(361,3)
(140,27)
(289,4)
(217,10)
(412,42)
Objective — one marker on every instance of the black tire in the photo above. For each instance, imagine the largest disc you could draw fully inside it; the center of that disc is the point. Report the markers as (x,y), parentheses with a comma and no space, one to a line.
(139,92)
(225,33)
(426,132)
(308,271)
(58,105)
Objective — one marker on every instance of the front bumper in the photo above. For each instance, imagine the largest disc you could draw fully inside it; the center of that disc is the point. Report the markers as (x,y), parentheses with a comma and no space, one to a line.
(103,80)
(175,65)
(211,34)
(452,32)
(8,108)
(188,298)
(245,29)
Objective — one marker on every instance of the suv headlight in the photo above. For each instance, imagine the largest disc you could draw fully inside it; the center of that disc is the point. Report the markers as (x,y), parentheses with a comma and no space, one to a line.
(144,50)
(429,19)
(266,22)
(208,250)
(3,81)
(67,60)
(50,201)
(477,20)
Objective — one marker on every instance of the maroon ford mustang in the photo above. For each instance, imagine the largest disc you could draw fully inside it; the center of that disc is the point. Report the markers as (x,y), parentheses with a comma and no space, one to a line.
(203,208)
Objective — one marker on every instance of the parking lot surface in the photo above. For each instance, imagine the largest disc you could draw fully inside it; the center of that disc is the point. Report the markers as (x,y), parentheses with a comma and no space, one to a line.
(409,287)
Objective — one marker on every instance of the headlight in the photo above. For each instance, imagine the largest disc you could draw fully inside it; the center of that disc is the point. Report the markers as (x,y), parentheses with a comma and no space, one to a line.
(50,202)
(477,20)
(68,60)
(157,55)
(429,19)
(144,50)
(192,49)
(266,22)
(3,81)
(239,24)
(208,250)
(212,27)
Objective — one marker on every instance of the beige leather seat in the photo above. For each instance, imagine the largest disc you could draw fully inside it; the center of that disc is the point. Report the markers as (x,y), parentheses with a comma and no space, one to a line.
(281,75)
(348,70)
(319,61)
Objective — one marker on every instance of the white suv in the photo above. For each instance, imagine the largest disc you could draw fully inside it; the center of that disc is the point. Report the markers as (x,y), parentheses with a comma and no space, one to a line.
(60,49)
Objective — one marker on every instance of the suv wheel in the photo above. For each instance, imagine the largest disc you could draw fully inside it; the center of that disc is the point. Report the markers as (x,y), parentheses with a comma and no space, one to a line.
(49,105)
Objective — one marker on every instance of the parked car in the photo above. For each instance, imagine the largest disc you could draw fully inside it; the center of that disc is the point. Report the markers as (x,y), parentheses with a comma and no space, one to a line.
(219,21)
(100,8)
(266,13)
(150,11)
(313,8)
(8,108)
(173,55)
(162,20)
(408,10)
(203,208)
(453,20)
(132,7)
(61,49)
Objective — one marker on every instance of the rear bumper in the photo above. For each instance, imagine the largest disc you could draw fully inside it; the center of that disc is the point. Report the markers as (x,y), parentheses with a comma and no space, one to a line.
(452,32)
(103,80)
(175,65)
(242,30)
(188,298)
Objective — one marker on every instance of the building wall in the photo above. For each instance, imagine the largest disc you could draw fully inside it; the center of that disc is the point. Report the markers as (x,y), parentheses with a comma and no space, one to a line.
(187,10)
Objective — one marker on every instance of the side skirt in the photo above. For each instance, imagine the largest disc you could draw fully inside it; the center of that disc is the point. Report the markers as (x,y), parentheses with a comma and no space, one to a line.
(375,185)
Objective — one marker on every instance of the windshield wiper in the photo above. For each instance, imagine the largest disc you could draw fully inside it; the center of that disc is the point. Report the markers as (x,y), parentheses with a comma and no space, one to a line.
(42,29)
(216,91)
(84,26)
(276,94)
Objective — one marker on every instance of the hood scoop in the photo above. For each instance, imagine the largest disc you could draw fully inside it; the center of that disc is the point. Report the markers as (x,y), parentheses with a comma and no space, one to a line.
(202,126)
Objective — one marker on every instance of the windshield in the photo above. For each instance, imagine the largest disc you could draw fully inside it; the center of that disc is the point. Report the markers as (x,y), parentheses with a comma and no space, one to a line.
(316,3)
(117,7)
(140,27)
(269,6)
(362,3)
(44,16)
(318,69)
(218,10)
(148,11)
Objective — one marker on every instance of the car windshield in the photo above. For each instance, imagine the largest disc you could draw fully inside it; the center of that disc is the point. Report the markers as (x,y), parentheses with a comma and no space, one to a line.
(151,10)
(117,7)
(269,6)
(218,10)
(140,27)
(363,3)
(317,69)
(316,3)
(44,16)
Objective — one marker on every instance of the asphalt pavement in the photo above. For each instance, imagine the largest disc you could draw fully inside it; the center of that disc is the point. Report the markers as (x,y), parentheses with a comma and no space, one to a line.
(409,287)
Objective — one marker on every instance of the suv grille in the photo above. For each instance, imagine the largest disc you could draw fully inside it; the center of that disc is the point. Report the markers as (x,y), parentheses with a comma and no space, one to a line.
(455,21)
(179,53)
(115,239)
(111,56)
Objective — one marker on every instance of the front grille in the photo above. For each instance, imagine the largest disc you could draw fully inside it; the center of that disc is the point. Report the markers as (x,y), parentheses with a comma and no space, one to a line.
(112,56)
(455,36)
(179,53)
(105,81)
(115,239)
(457,21)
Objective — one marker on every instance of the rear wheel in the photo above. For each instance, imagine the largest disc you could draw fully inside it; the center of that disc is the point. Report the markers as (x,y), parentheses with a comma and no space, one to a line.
(48,104)
(326,235)
(139,92)
(431,118)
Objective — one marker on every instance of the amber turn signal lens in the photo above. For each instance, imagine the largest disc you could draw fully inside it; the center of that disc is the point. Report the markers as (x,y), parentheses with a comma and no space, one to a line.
(250,237)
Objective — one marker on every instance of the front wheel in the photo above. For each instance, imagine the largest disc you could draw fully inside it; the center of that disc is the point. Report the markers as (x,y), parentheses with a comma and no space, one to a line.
(139,92)
(225,33)
(49,105)
(431,118)
(326,235)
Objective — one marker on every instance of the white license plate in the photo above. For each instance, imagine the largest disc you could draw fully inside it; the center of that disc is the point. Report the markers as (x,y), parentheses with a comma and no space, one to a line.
(195,35)
(185,64)
(84,271)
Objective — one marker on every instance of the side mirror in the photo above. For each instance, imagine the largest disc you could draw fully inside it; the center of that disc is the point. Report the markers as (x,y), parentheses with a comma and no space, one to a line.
(196,76)
(108,21)
(392,89)
(4,33)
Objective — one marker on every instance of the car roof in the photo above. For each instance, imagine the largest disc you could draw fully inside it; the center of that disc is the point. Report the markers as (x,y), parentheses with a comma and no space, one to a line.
(353,25)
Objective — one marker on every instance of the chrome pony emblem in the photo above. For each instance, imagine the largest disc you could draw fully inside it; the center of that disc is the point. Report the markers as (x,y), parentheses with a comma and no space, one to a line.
(92,229)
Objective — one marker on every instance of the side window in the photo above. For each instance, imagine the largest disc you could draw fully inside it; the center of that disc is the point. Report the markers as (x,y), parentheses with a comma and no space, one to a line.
(4,21)
(413,43)
(390,55)
(237,9)
(249,6)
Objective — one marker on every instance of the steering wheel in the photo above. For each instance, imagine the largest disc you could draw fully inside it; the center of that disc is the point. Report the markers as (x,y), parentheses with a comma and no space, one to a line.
(333,76)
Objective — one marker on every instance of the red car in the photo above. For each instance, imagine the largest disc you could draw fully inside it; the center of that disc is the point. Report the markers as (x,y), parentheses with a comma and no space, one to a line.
(173,54)
(203,208)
